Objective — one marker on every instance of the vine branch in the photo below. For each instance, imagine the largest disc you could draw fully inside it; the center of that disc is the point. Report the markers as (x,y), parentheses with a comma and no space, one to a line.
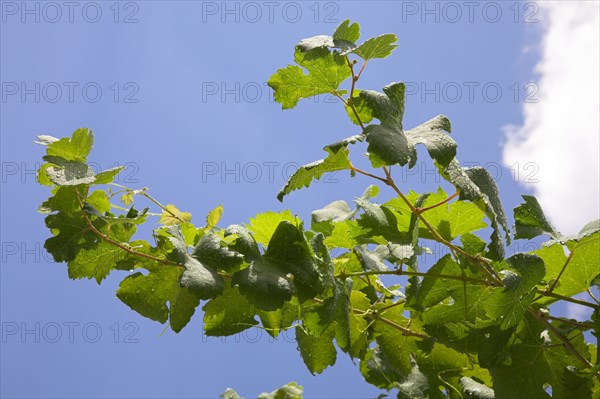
(450,198)
(400,272)
(568,299)
(562,270)
(487,267)
(109,240)
(143,193)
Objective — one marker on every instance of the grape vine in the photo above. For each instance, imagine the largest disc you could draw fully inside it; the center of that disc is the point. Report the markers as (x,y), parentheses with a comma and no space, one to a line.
(474,324)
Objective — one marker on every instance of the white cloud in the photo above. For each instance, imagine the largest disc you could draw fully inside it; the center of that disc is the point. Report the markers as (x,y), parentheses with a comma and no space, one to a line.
(561,132)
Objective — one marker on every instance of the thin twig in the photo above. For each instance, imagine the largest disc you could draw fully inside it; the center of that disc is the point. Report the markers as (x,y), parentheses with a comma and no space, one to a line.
(404,330)
(362,172)
(393,305)
(568,299)
(561,271)
(361,69)
(450,198)
(109,240)
(400,272)
(368,313)
(592,295)
(487,267)
(143,193)
(579,325)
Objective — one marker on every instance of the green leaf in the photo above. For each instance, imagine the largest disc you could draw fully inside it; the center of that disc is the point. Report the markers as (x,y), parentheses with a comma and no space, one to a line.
(127,198)
(333,312)
(244,243)
(201,279)
(42,175)
(580,271)
(451,220)
(68,173)
(99,261)
(335,147)
(326,41)
(433,289)
(326,71)
(485,183)
(530,220)
(345,235)
(415,385)
(281,319)
(373,260)
(318,353)
(133,217)
(213,217)
(289,249)
(289,391)
(510,304)
(304,176)
(450,303)
(358,325)
(71,235)
(393,342)
(388,106)
(443,366)
(339,211)
(76,148)
(538,358)
(99,201)
(148,295)
(477,184)
(432,134)
(323,261)
(182,306)
(263,225)
(378,370)
(358,104)
(387,146)
(107,176)
(228,314)
(472,244)
(377,47)
(212,252)
(65,199)
(379,220)
(347,31)
(315,42)
(370,192)
(230,394)
(171,216)
(95,263)
(336,211)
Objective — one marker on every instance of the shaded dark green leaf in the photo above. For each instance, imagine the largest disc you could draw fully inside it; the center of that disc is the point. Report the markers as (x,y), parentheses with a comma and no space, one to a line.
(212,252)
(432,134)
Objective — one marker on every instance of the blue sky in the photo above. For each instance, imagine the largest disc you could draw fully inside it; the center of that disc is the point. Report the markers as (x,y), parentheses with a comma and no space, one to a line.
(175,91)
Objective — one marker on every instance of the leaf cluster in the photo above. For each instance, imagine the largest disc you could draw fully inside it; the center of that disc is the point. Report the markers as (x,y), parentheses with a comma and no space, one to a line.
(471,323)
